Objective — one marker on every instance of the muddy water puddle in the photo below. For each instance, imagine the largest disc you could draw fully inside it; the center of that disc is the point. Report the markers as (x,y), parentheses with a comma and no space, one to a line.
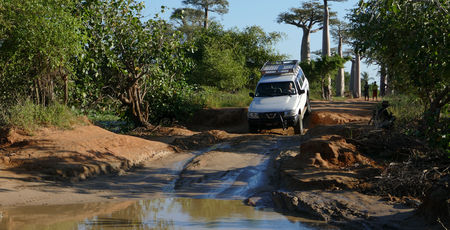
(163,213)
(234,172)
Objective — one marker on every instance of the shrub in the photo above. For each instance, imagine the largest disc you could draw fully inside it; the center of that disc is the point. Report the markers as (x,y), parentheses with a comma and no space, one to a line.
(29,116)
(214,98)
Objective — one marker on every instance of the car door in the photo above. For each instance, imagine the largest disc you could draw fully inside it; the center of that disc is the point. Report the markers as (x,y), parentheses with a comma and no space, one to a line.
(302,96)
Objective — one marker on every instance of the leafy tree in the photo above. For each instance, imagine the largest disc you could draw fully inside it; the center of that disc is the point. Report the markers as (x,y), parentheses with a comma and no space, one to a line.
(37,41)
(258,47)
(231,59)
(306,17)
(216,6)
(188,20)
(132,59)
(411,38)
(315,70)
(364,77)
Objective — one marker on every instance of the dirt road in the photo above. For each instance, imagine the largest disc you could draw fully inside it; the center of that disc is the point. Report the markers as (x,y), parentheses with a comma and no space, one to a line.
(201,164)
(234,169)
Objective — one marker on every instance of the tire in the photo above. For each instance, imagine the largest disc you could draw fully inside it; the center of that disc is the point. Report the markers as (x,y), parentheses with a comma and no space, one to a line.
(252,128)
(298,128)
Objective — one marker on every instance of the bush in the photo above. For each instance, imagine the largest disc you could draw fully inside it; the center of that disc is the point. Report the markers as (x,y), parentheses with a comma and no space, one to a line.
(407,109)
(409,112)
(221,68)
(29,116)
(171,101)
(214,98)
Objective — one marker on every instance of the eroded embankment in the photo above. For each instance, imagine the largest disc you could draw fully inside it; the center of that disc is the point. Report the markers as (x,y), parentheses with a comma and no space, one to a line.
(76,154)
(342,174)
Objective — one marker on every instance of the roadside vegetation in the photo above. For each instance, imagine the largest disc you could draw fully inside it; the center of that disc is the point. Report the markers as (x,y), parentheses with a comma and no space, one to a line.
(214,98)
(105,60)
(29,116)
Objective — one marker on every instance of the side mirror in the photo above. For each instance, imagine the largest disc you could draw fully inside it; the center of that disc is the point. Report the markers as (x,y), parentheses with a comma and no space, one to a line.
(251,94)
(302,91)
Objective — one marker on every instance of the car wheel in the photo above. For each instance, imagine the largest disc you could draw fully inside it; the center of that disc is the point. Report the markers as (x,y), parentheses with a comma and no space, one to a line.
(298,128)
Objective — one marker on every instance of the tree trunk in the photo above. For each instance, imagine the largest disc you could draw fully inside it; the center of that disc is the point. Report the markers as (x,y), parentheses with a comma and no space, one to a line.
(389,87)
(51,91)
(205,25)
(383,80)
(357,78)
(137,109)
(36,92)
(326,42)
(66,89)
(305,50)
(340,79)
(326,31)
(352,77)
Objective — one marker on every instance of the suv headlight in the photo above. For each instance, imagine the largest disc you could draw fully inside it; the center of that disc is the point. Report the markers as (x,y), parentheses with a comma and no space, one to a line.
(253,115)
(290,113)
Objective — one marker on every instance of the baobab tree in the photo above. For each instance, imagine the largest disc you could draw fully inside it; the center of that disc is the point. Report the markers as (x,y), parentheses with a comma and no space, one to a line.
(216,6)
(308,17)
(326,35)
(340,33)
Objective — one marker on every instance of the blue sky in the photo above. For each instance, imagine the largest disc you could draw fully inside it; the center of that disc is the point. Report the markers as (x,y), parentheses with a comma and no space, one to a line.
(263,13)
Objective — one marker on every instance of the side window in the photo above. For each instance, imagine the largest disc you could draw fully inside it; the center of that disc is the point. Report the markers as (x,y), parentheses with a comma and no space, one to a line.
(303,76)
(300,77)
(298,86)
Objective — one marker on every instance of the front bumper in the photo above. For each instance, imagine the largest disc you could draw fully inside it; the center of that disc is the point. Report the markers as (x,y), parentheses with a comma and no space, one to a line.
(272,120)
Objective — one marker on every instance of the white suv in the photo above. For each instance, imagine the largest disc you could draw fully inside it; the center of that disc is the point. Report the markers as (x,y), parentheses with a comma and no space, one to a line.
(281,98)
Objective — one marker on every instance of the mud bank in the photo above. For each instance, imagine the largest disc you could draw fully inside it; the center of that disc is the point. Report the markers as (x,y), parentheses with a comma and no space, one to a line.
(340,174)
(84,152)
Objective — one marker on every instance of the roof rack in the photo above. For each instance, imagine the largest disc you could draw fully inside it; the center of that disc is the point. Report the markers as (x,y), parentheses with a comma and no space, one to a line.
(280,67)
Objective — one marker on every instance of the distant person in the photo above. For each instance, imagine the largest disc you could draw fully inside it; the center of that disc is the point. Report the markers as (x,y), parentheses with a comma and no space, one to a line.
(374,91)
(366,91)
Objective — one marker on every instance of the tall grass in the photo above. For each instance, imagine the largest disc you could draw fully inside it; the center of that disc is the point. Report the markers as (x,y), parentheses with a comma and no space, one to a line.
(406,109)
(29,116)
(213,98)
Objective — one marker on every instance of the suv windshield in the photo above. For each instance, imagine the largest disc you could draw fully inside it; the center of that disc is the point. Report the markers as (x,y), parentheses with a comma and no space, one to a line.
(272,89)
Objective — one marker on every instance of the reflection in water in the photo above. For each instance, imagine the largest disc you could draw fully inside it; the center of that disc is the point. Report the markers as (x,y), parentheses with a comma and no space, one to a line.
(164,213)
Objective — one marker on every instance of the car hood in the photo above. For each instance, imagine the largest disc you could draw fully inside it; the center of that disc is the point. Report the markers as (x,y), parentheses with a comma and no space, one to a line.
(273,104)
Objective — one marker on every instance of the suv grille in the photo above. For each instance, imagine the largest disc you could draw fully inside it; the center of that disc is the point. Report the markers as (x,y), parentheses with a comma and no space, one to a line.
(271,116)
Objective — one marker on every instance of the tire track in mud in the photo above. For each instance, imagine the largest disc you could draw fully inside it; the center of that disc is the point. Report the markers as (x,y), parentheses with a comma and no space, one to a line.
(233,170)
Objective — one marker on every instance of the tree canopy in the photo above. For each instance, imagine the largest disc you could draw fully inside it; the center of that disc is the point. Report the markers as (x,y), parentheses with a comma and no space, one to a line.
(216,6)
(38,39)
(309,18)
(412,39)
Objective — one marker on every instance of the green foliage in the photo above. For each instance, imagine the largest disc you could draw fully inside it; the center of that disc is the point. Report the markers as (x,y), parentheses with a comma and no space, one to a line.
(309,14)
(188,20)
(214,98)
(218,6)
(29,116)
(323,66)
(412,39)
(230,60)
(131,61)
(171,100)
(37,40)
(309,17)
(222,68)
(408,110)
